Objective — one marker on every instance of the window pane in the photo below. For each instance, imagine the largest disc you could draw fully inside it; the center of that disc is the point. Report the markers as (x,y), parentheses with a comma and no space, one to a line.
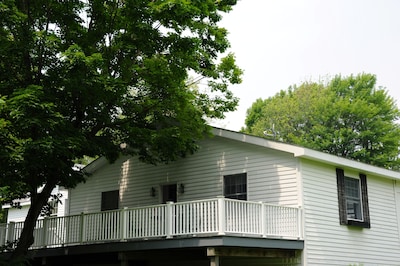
(53,207)
(353,198)
(169,193)
(235,186)
(109,200)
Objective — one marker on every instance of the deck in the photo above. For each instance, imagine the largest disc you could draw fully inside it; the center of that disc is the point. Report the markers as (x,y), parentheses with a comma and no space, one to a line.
(211,217)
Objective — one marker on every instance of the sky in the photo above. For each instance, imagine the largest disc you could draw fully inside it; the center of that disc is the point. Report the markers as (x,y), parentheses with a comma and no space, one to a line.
(279,43)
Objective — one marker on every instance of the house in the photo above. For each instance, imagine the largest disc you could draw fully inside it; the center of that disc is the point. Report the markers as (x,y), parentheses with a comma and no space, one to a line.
(239,200)
(59,208)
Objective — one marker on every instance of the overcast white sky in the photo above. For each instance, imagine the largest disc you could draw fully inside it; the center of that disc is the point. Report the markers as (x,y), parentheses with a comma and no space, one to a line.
(279,43)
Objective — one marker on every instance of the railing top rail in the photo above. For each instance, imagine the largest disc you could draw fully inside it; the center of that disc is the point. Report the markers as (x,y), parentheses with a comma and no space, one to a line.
(196,201)
(264,203)
(163,205)
(90,227)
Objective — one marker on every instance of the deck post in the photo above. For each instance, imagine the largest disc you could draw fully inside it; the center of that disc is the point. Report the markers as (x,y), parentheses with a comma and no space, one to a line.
(11,232)
(44,233)
(82,229)
(221,215)
(213,255)
(169,219)
(263,220)
(299,222)
(214,261)
(124,223)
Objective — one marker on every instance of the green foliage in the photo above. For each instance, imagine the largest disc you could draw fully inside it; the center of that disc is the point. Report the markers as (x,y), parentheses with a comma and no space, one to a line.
(78,78)
(348,117)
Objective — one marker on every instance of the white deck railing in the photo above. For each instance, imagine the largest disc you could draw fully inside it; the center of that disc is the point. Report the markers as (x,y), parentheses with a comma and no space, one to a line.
(196,218)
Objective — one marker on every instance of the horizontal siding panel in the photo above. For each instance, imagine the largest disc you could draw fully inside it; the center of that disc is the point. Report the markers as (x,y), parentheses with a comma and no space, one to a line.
(17,214)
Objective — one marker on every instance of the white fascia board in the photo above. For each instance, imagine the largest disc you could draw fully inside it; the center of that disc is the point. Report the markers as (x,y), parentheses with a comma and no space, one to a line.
(306,153)
(347,163)
(295,150)
(23,202)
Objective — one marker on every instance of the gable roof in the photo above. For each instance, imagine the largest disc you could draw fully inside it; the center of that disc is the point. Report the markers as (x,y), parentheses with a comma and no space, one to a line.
(301,152)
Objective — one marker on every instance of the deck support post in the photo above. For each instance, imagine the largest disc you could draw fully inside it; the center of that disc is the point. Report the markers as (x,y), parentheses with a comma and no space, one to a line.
(214,261)
(123,258)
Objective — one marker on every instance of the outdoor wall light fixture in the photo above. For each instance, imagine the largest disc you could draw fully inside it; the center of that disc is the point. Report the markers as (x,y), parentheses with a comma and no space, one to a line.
(181,188)
(153,191)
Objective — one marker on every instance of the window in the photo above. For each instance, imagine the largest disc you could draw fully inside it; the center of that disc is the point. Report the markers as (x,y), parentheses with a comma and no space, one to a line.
(109,200)
(169,193)
(353,200)
(53,205)
(235,186)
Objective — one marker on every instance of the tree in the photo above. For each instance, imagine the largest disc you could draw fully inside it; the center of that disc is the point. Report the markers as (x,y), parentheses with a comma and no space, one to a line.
(348,117)
(78,78)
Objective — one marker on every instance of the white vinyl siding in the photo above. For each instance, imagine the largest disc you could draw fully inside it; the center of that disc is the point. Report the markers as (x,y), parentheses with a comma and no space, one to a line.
(86,197)
(329,243)
(16,214)
(62,206)
(271,177)
(19,214)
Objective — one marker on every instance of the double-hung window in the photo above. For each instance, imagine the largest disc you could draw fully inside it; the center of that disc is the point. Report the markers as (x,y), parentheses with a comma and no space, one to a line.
(353,200)
(53,204)
(352,193)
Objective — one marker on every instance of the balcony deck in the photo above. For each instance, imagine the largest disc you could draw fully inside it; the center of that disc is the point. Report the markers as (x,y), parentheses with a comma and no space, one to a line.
(211,217)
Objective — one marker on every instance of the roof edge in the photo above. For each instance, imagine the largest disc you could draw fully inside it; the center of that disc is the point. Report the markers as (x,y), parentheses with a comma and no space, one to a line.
(306,153)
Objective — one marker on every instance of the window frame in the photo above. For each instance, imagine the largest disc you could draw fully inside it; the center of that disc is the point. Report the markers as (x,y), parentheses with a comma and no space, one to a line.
(237,194)
(342,200)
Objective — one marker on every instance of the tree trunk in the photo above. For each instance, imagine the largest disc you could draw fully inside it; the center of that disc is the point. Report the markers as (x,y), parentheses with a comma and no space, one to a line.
(19,255)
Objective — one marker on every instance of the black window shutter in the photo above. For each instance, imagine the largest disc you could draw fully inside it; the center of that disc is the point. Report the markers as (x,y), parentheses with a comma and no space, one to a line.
(365,205)
(341,196)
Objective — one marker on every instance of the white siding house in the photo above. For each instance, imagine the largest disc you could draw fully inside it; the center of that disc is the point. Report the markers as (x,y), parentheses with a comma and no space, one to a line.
(329,243)
(19,214)
(295,206)
(271,177)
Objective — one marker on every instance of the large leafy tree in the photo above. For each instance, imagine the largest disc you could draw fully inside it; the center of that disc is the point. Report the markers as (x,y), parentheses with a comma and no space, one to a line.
(78,78)
(347,116)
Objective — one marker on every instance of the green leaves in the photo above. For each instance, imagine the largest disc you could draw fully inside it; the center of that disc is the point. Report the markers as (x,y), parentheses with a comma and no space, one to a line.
(348,117)
(78,78)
